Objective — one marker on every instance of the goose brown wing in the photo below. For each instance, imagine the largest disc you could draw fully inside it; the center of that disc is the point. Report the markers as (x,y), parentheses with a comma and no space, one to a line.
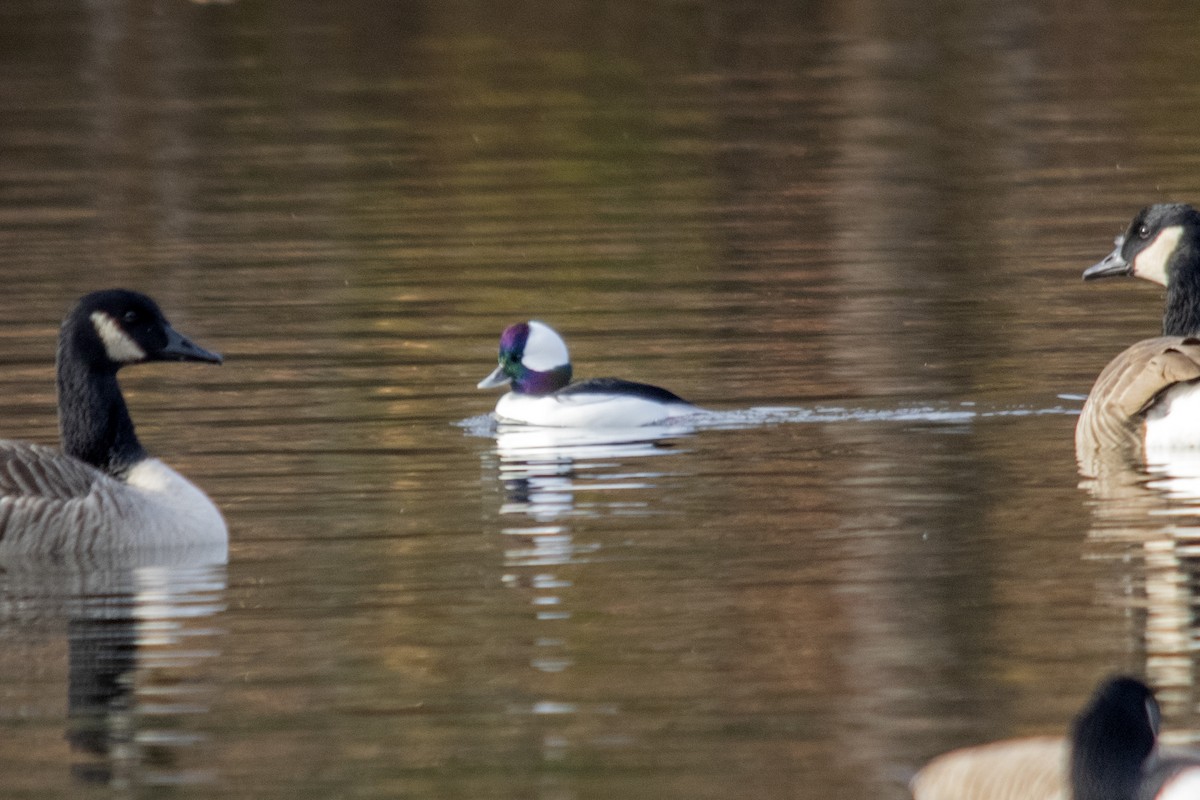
(51,503)
(1128,386)
(1017,769)
(30,471)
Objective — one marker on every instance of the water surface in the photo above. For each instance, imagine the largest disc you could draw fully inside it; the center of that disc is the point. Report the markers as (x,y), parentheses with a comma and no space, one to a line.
(853,231)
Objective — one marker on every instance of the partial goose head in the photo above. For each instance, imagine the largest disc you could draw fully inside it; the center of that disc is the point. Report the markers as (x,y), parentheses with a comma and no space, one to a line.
(1110,754)
(535,364)
(1162,245)
(103,491)
(1146,400)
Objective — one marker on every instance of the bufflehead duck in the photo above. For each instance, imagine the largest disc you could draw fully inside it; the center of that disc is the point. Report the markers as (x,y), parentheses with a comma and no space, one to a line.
(102,491)
(534,362)
(1148,396)
(1111,754)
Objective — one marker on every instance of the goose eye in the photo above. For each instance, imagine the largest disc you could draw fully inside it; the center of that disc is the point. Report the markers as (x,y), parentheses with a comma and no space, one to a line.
(1143,231)
(129,317)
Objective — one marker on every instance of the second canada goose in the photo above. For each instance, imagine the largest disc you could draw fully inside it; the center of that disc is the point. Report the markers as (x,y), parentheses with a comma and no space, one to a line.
(1149,394)
(103,492)
(1111,754)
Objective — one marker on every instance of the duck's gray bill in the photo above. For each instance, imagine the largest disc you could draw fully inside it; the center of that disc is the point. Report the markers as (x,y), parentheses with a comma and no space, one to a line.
(497,378)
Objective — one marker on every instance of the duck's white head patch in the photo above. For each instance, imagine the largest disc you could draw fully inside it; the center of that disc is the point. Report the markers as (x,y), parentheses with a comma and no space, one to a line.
(117,343)
(1151,263)
(544,349)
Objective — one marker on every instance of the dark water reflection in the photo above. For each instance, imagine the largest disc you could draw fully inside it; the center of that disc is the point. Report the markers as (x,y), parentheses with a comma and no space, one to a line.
(868,218)
(124,652)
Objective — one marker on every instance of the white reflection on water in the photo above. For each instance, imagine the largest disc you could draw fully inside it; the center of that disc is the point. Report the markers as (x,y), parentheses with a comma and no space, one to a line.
(550,478)
(1148,516)
(559,488)
(543,470)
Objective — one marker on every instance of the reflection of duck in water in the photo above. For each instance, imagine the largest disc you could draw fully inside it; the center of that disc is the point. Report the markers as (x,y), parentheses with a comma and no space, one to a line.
(1111,755)
(103,492)
(534,362)
(541,467)
(1146,402)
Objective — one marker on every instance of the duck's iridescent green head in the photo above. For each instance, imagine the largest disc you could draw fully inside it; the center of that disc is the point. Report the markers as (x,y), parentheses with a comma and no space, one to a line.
(533,360)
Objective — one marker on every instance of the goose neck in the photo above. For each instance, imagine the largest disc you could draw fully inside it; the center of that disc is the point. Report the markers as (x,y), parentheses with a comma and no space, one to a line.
(1181,316)
(93,420)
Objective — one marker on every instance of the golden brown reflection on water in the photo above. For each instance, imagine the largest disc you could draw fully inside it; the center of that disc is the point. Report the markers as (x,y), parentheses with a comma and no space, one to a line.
(839,208)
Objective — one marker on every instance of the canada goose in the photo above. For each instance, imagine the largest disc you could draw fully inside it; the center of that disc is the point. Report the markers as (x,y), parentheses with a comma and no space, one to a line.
(1148,394)
(103,492)
(1111,755)
(534,362)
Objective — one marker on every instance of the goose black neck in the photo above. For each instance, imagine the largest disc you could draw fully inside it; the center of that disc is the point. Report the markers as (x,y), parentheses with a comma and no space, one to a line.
(1106,770)
(93,420)
(1110,745)
(1182,314)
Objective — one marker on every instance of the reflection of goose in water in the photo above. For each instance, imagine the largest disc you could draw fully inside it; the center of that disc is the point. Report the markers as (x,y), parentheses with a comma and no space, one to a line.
(103,491)
(1109,755)
(136,633)
(1145,520)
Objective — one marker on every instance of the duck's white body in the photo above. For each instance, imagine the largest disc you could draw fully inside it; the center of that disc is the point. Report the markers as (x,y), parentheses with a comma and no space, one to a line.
(581,409)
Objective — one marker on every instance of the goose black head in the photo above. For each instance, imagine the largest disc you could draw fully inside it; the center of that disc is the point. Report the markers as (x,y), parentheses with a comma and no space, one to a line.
(1162,245)
(1150,246)
(115,327)
(102,333)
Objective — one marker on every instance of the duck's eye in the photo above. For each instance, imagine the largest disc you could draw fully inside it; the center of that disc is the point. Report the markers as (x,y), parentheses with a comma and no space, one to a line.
(129,317)
(1143,231)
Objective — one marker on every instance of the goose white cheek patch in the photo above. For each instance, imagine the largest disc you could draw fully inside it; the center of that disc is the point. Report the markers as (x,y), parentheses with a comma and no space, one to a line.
(1151,263)
(117,344)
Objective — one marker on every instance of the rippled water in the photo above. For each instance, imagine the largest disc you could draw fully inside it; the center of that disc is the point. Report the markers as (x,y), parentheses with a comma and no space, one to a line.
(852,232)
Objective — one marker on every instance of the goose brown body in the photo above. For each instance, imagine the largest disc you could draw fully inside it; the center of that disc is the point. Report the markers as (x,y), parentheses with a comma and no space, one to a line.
(1131,403)
(1135,386)
(1111,753)
(1020,769)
